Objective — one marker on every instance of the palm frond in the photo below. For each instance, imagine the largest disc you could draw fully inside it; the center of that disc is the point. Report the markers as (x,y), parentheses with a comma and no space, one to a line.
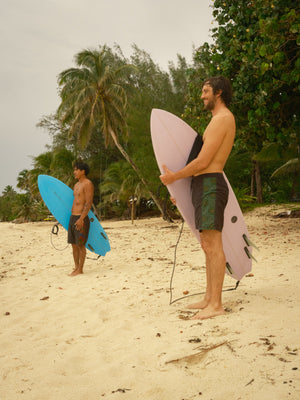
(290,167)
(270,152)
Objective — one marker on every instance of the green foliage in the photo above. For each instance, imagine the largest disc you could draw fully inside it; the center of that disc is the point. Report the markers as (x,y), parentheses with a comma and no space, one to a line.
(290,167)
(28,208)
(110,95)
(119,186)
(256,45)
(7,204)
(154,89)
(57,163)
(93,94)
(238,169)
(244,199)
(23,207)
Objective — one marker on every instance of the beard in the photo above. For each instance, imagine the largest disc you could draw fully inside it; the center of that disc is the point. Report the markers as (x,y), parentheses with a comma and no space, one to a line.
(210,105)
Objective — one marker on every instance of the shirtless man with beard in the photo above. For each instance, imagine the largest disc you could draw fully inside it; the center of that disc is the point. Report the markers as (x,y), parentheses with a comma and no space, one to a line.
(210,191)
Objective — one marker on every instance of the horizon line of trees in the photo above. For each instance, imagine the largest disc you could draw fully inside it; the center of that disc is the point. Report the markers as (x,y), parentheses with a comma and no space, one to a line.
(106,101)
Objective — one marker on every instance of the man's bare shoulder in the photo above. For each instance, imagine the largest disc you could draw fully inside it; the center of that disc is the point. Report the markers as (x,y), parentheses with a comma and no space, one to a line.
(224,121)
(85,184)
(88,182)
(225,116)
(221,122)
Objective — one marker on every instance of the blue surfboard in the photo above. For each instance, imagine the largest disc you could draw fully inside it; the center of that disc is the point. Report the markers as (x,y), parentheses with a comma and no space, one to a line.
(58,197)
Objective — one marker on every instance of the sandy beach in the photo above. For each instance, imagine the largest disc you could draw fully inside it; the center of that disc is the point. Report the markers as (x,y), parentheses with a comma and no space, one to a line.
(112,334)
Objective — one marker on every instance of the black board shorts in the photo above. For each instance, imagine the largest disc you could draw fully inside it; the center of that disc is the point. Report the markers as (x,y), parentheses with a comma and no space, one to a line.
(74,235)
(209,197)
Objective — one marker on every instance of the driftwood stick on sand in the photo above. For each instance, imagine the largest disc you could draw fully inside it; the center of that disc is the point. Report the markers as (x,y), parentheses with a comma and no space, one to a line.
(196,357)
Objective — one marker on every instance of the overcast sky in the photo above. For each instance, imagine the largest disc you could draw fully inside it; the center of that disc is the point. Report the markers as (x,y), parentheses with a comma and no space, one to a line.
(39,38)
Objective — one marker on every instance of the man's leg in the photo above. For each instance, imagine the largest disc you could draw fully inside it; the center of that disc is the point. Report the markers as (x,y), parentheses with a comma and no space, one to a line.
(80,253)
(204,303)
(75,255)
(211,241)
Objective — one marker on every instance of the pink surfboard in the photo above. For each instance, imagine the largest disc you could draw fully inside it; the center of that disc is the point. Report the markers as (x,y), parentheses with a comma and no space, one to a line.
(172,140)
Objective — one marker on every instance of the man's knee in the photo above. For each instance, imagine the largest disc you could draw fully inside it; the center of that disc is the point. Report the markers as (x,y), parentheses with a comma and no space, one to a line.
(210,241)
(206,246)
(82,248)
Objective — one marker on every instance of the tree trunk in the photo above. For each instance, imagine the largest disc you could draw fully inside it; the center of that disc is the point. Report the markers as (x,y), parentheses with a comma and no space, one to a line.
(132,209)
(252,190)
(259,198)
(128,159)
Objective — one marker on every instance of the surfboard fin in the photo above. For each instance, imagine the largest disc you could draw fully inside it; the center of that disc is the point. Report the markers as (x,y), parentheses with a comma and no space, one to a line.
(249,242)
(249,255)
(91,247)
(229,268)
(105,237)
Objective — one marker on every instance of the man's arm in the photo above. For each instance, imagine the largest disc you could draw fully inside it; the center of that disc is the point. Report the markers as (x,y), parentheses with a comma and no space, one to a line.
(213,138)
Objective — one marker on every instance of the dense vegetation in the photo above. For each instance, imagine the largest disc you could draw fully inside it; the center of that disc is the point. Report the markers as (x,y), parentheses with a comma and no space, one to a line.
(106,102)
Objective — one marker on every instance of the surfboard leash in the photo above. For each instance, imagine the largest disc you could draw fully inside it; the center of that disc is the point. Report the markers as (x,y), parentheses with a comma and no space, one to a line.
(174,263)
(54,231)
(173,272)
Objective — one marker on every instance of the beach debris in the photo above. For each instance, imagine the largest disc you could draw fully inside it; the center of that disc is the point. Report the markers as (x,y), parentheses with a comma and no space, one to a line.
(288,214)
(45,298)
(268,343)
(249,383)
(187,316)
(7,313)
(186,292)
(120,390)
(195,340)
(196,357)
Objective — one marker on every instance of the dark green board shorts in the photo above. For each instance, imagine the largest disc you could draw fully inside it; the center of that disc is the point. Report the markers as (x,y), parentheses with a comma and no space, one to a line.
(209,197)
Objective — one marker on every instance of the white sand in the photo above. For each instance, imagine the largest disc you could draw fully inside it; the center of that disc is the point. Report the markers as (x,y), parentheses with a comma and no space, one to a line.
(112,334)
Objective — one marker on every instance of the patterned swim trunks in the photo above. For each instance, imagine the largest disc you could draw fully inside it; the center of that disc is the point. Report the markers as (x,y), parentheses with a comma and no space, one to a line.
(75,236)
(209,197)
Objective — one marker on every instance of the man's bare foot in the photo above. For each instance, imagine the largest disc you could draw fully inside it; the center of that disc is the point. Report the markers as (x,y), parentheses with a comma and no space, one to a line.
(197,306)
(75,272)
(209,312)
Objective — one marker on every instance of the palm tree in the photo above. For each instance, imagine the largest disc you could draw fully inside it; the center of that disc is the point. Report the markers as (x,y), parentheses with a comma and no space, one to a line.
(57,163)
(94,95)
(23,180)
(9,191)
(7,203)
(120,183)
(291,166)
